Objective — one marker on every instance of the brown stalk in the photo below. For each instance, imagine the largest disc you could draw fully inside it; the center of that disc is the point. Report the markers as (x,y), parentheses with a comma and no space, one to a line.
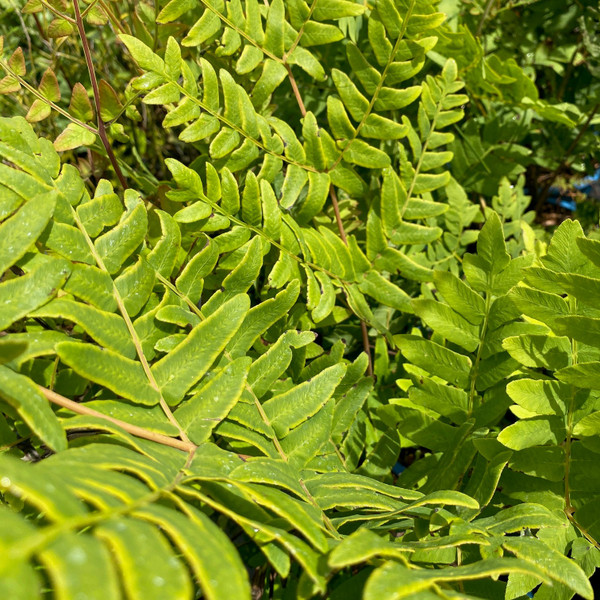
(290,51)
(140,432)
(296,90)
(338,216)
(96,91)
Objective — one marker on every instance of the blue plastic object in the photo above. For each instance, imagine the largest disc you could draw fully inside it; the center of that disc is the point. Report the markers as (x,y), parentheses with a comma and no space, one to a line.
(398,468)
(590,186)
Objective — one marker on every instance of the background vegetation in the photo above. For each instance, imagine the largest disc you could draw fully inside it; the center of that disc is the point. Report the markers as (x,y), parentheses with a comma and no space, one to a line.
(289,304)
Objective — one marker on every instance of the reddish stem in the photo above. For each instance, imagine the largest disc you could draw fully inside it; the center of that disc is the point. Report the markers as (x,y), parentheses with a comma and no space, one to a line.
(96,91)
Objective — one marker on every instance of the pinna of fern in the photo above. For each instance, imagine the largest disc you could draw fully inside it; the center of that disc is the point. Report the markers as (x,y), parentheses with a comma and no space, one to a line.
(108,501)
(213,424)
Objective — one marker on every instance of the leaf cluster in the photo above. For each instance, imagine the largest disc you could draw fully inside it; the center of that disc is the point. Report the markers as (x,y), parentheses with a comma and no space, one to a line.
(256,337)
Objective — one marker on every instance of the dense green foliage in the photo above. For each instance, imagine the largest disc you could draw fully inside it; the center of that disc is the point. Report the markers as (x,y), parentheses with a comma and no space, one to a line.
(252,255)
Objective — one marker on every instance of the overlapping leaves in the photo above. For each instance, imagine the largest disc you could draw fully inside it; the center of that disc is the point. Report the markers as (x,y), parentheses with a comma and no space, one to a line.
(483,358)
(213,434)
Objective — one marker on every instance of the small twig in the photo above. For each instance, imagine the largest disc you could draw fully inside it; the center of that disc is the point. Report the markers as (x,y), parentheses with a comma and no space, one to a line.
(583,531)
(567,75)
(88,8)
(584,128)
(339,454)
(96,91)
(296,90)
(41,31)
(156,13)
(109,14)
(338,217)
(125,106)
(132,429)
(485,15)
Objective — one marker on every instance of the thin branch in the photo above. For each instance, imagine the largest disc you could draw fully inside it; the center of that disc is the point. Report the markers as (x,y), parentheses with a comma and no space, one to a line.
(475,369)
(123,28)
(584,128)
(296,90)
(568,71)
(125,106)
(484,16)
(516,5)
(96,90)
(338,216)
(42,33)
(156,13)
(140,432)
(583,531)
(16,442)
(113,19)
(569,509)
(88,8)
